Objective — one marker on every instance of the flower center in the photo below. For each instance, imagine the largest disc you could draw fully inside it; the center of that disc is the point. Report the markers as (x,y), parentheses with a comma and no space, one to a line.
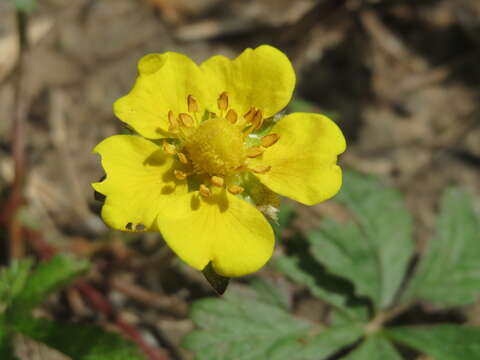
(216,147)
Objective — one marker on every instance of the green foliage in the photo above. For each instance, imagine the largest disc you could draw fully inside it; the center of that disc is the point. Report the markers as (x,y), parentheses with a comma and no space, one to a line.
(301,105)
(375,347)
(345,252)
(25,5)
(285,217)
(47,278)
(331,289)
(243,326)
(271,293)
(12,281)
(83,342)
(383,238)
(6,348)
(360,268)
(449,273)
(22,290)
(443,342)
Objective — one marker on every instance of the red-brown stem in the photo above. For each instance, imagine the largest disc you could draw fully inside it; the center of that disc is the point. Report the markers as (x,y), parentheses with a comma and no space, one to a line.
(97,301)
(44,250)
(14,202)
(16,196)
(100,304)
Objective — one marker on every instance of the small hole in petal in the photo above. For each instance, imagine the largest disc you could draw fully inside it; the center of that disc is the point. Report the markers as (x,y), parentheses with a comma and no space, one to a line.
(139,227)
(129,226)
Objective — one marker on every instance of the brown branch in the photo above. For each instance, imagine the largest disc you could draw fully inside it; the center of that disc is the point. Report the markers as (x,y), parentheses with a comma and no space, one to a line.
(97,301)
(15,199)
(16,232)
(164,303)
(100,304)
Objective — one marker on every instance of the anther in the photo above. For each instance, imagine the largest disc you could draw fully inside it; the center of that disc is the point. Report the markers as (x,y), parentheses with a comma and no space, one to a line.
(269,140)
(182,157)
(254,151)
(222,101)
(249,115)
(235,189)
(217,181)
(204,190)
(180,175)
(257,120)
(186,119)
(192,104)
(261,169)
(231,116)
(169,148)
(173,123)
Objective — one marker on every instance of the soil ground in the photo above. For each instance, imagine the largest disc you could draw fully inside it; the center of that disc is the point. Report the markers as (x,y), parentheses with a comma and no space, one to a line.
(401,78)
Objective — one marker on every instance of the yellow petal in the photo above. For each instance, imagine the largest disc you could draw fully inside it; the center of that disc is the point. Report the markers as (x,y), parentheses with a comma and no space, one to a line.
(164,83)
(262,77)
(222,228)
(303,160)
(139,179)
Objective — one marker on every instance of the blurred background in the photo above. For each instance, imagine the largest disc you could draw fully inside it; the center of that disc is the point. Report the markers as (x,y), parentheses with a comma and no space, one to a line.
(401,78)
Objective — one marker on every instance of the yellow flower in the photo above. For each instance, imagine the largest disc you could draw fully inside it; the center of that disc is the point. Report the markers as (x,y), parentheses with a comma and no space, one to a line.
(209,158)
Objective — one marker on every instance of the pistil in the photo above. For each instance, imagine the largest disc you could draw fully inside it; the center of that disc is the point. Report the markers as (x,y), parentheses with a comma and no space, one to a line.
(214,149)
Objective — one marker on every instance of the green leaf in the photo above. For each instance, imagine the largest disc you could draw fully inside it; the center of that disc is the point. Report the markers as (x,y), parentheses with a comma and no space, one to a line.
(241,326)
(285,217)
(345,251)
(449,272)
(25,5)
(5,341)
(331,289)
(383,239)
(319,347)
(80,342)
(271,293)
(445,342)
(375,347)
(301,105)
(47,278)
(7,352)
(12,281)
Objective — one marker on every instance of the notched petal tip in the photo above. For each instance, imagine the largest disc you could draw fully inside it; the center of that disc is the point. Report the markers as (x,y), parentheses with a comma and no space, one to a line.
(151,63)
(222,229)
(145,108)
(137,173)
(97,195)
(262,78)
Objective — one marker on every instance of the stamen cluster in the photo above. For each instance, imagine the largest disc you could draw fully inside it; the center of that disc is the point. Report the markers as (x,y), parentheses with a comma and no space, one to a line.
(214,149)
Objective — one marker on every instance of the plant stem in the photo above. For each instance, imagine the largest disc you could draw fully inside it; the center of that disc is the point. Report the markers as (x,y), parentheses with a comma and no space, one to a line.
(15,235)
(385,316)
